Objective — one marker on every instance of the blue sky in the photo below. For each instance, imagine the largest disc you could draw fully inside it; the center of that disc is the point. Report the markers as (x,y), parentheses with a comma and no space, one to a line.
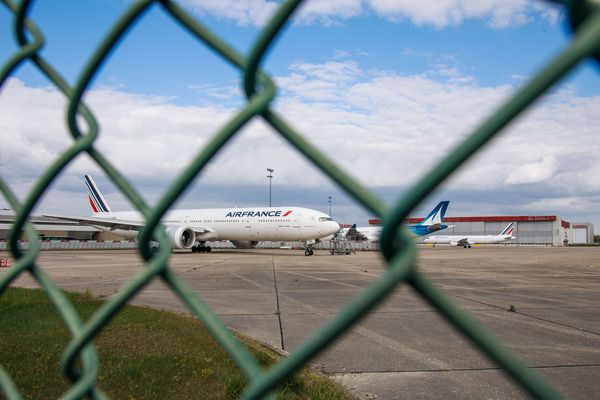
(384,88)
(159,57)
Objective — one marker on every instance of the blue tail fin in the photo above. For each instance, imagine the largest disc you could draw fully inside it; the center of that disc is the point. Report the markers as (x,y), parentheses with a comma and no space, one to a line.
(433,222)
(436,215)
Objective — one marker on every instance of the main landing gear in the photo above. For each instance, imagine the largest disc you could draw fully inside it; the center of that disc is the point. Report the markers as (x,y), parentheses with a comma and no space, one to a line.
(201,248)
(309,248)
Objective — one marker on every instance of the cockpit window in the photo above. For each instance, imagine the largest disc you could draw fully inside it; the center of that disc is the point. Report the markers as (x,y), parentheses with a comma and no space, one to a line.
(321,219)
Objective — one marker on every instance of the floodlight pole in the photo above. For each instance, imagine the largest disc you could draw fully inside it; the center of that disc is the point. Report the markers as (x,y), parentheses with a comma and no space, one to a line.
(329,197)
(270,176)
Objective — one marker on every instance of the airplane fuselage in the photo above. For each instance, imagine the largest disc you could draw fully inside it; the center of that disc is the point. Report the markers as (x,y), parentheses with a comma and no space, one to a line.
(471,239)
(252,224)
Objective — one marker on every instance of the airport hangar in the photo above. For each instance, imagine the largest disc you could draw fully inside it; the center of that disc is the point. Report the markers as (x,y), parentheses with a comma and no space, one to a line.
(549,230)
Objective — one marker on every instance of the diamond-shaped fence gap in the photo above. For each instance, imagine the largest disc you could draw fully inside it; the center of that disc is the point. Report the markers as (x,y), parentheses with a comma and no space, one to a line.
(151,139)
(374,136)
(20,152)
(245,159)
(134,126)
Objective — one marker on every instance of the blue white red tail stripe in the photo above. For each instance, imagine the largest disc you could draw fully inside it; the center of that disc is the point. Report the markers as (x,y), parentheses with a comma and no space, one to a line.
(507,230)
(97,201)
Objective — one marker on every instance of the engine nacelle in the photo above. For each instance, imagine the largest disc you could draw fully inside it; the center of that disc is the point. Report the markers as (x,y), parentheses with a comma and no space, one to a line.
(182,237)
(245,244)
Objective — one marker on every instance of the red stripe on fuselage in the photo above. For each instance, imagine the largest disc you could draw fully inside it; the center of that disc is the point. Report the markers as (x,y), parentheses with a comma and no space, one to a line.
(287,213)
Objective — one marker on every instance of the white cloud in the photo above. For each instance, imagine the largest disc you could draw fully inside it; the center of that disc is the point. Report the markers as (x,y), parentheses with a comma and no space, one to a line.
(453,12)
(535,172)
(243,12)
(498,13)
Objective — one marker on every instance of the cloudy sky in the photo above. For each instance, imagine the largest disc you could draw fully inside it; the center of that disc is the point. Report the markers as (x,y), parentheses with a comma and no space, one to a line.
(385,88)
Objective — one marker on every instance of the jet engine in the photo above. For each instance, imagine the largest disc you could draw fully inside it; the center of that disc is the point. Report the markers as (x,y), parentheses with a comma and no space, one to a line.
(182,237)
(245,245)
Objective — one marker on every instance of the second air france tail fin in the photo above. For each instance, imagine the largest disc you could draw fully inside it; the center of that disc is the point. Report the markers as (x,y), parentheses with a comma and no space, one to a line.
(508,230)
(97,201)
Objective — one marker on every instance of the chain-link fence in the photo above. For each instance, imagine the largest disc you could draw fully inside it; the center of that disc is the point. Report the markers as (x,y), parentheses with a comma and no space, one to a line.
(80,361)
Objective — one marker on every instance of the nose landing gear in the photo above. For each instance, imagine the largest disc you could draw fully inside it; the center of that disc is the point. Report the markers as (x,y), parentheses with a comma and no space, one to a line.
(309,248)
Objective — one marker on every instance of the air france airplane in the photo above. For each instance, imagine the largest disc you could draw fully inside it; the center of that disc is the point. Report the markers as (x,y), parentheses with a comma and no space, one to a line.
(468,240)
(191,229)
(431,223)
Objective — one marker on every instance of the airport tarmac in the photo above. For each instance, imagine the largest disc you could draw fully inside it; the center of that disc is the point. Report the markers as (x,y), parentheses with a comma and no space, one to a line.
(402,349)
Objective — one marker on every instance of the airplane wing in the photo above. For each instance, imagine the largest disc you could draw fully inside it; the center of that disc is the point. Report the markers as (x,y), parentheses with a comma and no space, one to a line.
(116,223)
(110,223)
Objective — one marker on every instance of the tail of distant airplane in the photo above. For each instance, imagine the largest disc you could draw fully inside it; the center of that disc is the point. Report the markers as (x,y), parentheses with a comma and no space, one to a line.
(436,216)
(97,201)
(508,230)
(433,222)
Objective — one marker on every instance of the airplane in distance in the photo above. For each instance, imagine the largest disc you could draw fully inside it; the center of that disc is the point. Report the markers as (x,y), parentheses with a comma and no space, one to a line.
(191,229)
(431,223)
(468,240)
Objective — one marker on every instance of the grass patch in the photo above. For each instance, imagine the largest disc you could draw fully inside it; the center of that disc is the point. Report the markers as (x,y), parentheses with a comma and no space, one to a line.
(143,353)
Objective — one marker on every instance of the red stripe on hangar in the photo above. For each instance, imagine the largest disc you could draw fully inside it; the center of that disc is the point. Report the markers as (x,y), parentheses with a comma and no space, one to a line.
(287,213)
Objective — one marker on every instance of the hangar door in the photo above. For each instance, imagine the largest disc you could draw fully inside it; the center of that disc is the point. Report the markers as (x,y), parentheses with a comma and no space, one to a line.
(580,235)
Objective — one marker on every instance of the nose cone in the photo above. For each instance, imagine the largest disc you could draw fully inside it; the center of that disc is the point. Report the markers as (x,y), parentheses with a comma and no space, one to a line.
(331,227)
(336,227)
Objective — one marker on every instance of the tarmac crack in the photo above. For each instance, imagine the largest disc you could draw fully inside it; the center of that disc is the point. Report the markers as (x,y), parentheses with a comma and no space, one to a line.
(200,267)
(326,280)
(436,370)
(277,302)
(530,316)
(559,323)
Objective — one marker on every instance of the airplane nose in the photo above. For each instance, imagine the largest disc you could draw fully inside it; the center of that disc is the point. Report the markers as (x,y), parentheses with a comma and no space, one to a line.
(332,227)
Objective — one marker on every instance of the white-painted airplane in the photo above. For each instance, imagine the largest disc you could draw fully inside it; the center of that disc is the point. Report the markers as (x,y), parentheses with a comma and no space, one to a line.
(191,229)
(469,240)
(431,223)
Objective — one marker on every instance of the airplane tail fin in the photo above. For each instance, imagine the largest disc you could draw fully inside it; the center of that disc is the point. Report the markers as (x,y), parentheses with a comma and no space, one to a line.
(436,216)
(508,230)
(97,201)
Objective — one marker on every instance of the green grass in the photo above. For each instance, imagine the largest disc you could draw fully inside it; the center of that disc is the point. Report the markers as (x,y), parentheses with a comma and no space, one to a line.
(144,354)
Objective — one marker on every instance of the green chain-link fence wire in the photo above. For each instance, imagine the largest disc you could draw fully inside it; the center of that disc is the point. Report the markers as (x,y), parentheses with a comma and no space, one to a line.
(80,362)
